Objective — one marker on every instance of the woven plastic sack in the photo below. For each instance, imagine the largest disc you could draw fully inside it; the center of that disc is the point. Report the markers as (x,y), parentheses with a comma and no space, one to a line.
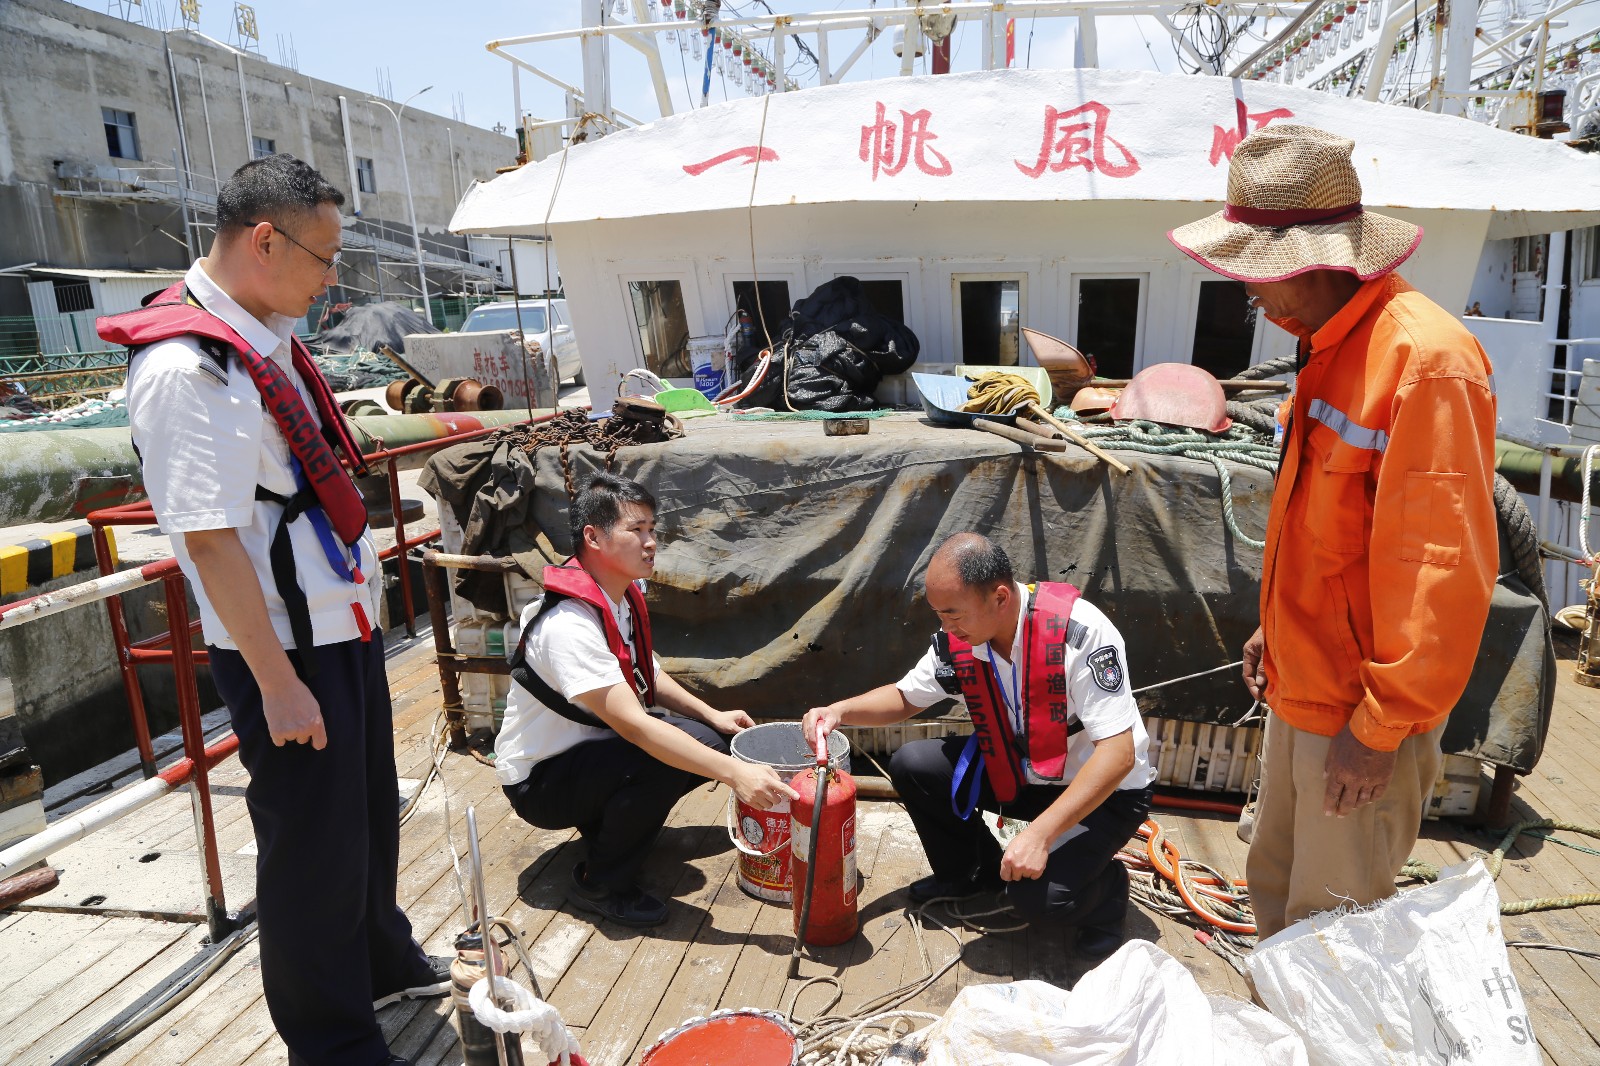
(1421,977)
(1140,1007)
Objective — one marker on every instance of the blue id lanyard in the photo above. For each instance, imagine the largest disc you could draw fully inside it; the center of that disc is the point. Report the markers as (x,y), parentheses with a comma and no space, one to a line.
(1012,699)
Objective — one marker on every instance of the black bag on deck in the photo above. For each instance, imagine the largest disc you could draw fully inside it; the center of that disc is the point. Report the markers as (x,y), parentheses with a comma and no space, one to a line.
(834,351)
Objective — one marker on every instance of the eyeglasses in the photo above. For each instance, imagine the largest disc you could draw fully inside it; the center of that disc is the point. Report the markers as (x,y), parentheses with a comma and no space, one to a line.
(330,265)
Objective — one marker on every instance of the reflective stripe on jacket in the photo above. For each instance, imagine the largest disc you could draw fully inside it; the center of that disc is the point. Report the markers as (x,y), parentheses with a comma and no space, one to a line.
(1382,546)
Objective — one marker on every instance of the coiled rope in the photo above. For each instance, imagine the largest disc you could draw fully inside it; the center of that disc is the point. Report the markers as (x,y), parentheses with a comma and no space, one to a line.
(1163,881)
(999,393)
(1236,444)
(1427,871)
(861,1037)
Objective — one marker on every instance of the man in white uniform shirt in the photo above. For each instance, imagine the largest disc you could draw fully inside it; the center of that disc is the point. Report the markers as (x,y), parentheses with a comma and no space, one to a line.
(1057,742)
(580,747)
(237,434)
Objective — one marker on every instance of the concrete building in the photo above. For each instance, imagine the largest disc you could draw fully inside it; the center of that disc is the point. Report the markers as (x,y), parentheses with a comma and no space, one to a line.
(114,137)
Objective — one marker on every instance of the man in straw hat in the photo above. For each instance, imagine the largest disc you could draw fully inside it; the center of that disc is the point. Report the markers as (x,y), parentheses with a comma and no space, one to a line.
(1381,548)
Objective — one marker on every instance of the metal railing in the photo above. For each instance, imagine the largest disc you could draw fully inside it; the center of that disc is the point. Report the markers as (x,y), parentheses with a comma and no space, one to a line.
(175,647)
(192,769)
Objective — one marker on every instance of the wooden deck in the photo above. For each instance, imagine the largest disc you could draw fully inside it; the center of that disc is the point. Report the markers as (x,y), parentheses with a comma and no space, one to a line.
(64,975)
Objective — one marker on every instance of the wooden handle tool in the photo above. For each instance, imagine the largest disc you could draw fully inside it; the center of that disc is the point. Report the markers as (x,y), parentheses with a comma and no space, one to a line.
(1079,439)
(1011,433)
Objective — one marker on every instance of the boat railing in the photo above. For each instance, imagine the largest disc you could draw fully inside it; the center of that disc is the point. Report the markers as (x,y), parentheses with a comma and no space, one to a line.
(175,648)
(758,53)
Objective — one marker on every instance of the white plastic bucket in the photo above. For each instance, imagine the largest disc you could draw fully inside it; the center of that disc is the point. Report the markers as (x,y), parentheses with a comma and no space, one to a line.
(708,359)
(762,837)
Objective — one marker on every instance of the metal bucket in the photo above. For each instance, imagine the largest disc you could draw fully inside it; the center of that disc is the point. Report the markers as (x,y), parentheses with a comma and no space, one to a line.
(747,1037)
(762,837)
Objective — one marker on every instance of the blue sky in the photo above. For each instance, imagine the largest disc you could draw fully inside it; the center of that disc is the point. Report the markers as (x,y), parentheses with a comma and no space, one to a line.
(419,44)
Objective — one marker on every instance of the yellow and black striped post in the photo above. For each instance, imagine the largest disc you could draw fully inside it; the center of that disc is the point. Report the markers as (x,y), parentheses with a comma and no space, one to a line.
(39,560)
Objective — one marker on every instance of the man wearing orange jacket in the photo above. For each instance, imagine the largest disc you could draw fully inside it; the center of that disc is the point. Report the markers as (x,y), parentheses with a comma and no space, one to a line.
(1382,547)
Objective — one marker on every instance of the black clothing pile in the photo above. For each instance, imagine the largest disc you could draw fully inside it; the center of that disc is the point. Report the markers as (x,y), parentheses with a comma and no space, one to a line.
(834,350)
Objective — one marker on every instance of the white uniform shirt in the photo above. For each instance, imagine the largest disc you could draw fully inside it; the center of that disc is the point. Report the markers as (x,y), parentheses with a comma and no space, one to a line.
(1095,658)
(206,445)
(568,650)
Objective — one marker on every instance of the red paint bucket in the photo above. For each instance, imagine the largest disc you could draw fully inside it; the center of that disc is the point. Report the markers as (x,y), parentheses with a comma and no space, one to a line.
(745,1037)
(762,837)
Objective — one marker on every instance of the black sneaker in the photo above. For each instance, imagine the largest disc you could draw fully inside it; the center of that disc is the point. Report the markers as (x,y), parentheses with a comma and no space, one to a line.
(436,982)
(931,887)
(1097,942)
(625,906)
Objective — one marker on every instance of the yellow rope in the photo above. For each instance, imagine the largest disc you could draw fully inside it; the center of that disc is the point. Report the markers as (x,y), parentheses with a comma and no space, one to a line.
(999,393)
(1426,871)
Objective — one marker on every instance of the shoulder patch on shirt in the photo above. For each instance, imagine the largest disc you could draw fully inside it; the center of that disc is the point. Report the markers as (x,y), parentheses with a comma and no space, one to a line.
(1106,668)
(944,671)
(214,358)
(1077,633)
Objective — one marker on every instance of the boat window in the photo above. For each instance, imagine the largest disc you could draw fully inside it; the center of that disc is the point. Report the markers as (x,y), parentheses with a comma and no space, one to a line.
(1224,328)
(774,304)
(1591,254)
(663,325)
(990,316)
(887,297)
(1108,323)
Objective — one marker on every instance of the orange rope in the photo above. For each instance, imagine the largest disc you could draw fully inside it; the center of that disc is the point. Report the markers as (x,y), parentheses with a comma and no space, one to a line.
(1157,848)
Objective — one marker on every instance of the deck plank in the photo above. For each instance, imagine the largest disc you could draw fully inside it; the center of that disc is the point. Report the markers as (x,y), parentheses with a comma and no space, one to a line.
(76,973)
(233,991)
(119,986)
(582,991)
(619,989)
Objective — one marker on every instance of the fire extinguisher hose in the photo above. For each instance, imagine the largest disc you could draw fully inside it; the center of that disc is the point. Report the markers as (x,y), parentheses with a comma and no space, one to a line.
(811,853)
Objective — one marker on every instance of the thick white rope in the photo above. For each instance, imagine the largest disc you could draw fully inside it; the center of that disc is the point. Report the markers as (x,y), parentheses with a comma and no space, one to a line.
(528,1016)
(1583,518)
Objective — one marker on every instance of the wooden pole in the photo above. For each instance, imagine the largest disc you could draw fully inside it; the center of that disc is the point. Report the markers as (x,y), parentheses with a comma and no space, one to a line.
(1079,439)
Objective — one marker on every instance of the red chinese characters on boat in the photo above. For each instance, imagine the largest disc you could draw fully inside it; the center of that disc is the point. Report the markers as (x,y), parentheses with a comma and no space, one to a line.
(1077,138)
(1225,140)
(889,145)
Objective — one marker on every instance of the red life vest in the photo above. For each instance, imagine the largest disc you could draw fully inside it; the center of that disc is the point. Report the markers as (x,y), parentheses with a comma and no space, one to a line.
(571,581)
(1047,720)
(174,313)
(323,482)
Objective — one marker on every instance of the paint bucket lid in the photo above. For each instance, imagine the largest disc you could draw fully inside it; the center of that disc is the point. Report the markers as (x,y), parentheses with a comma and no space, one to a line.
(747,1037)
(782,746)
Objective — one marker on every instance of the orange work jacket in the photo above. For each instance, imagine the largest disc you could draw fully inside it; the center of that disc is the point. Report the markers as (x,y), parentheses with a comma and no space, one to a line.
(1382,546)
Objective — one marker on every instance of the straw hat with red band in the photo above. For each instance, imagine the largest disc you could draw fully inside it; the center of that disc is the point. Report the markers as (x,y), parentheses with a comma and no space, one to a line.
(1294,205)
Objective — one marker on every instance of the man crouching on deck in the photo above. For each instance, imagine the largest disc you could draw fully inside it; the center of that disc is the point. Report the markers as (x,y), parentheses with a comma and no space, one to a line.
(579,748)
(1057,742)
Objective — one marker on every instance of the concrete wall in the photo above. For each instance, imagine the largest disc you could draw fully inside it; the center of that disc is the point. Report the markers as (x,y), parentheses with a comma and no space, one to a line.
(63,63)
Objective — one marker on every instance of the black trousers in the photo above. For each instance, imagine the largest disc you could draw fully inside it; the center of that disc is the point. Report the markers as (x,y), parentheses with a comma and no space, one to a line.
(1082,884)
(614,793)
(327,828)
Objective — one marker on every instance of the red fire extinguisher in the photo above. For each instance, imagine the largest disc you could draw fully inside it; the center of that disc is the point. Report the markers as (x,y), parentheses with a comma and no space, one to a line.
(822,854)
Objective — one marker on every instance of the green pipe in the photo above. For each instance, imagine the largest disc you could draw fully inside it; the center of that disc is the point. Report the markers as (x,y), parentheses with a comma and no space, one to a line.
(1519,465)
(60,474)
